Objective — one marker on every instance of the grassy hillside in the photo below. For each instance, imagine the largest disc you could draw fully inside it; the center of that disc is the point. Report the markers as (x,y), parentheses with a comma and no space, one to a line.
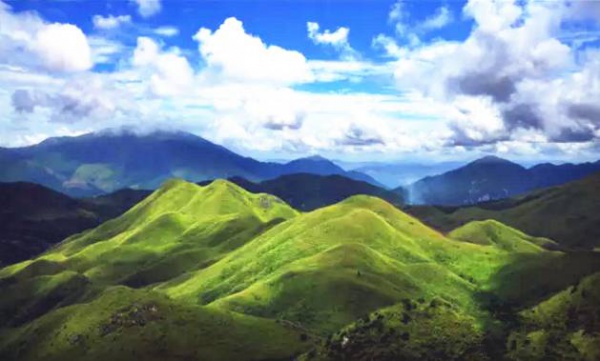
(126,324)
(328,267)
(567,214)
(216,272)
(179,227)
(491,232)
(565,326)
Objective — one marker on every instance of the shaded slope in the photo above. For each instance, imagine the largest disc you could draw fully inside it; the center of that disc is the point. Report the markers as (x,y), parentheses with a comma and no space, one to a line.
(565,326)
(124,324)
(33,217)
(308,192)
(567,214)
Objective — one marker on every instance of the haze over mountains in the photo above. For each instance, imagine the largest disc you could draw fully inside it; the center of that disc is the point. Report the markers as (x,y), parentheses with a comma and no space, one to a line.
(103,162)
(100,163)
(492,178)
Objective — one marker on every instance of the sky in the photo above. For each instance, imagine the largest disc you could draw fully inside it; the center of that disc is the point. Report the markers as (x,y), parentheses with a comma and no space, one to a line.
(351,80)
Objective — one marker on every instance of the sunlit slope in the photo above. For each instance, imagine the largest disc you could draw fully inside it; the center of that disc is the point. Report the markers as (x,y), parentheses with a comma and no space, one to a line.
(179,228)
(126,324)
(491,232)
(328,267)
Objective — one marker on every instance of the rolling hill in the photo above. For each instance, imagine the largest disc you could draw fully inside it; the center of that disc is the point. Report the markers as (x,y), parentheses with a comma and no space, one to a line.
(492,178)
(106,161)
(217,272)
(566,214)
(35,217)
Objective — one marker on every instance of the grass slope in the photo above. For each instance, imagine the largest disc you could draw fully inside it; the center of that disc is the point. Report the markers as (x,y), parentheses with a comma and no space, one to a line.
(491,232)
(328,267)
(126,324)
(565,326)
(216,272)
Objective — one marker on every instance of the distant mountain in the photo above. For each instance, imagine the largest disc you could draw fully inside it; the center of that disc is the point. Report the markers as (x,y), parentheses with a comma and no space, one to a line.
(568,214)
(322,166)
(492,178)
(396,174)
(103,162)
(307,192)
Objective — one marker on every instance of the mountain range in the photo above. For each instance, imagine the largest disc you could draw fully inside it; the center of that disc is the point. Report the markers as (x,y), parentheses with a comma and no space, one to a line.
(104,162)
(492,178)
(216,272)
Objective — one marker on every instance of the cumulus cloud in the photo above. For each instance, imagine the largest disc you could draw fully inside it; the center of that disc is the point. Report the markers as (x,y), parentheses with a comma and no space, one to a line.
(62,47)
(170,72)
(148,8)
(110,21)
(27,39)
(513,64)
(234,55)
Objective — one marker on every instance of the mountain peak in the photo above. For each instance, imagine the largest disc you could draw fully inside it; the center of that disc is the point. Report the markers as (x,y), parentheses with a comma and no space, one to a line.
(491,159)
(316,157)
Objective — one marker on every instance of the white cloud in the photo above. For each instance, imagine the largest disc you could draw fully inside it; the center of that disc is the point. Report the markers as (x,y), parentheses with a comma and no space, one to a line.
(337,39)
(110,21)
(27,39)
(167,31)
(170,72)
(62,47)
(231,54)
(514,59)
(440,19)
(148,8)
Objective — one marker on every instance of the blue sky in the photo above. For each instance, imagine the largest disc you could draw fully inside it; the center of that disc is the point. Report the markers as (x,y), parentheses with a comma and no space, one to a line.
(352,80)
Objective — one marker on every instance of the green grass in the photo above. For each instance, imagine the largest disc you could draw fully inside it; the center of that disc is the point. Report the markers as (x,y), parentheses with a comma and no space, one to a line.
(237,275)
(324,268)
(180,218)
(491,232)
(125,324)
(565,326)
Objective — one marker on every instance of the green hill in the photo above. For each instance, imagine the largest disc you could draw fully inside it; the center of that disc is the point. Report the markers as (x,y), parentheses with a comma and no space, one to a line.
(217,272)
(490,232)
(567,214)
(126,324)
